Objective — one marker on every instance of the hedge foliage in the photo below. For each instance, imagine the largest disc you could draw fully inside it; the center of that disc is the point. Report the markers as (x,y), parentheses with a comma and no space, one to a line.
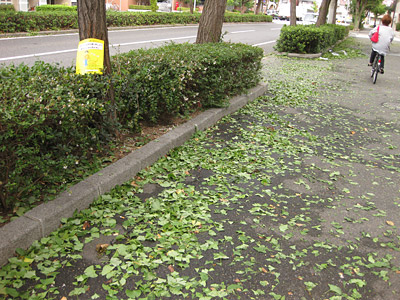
(309,38)
(54,123)
(11,22)
(140,7)
(7,8)
(52,8)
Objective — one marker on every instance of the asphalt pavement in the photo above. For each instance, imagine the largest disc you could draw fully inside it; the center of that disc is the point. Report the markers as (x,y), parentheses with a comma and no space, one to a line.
(294,196)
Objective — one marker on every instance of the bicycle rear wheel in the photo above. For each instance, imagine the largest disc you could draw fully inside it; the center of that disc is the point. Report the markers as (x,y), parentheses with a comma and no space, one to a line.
(375,69)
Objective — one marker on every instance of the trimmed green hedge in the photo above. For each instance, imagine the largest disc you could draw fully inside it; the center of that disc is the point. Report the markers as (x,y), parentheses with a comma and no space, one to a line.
(398,27)
(235,18)
(140,7)
(55,124)
(309,38)
(37,21)
(11,22)
(51,8)
(6,8)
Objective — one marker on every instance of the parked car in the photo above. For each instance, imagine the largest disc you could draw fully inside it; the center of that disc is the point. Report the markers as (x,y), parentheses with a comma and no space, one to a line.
(273,13)
(310,18)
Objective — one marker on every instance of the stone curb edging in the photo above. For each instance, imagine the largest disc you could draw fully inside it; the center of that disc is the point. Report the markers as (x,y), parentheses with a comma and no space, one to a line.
(45,218)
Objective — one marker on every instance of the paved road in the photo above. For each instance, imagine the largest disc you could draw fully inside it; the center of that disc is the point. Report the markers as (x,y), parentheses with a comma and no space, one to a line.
(61,48)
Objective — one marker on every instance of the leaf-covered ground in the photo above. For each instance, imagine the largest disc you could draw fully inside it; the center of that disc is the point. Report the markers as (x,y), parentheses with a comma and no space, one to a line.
(295,196)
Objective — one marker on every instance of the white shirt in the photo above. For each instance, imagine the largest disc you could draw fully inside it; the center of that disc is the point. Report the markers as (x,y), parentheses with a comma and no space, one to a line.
(386,36)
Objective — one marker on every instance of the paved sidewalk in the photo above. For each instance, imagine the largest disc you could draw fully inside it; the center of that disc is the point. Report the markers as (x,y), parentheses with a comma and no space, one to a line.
(295,196)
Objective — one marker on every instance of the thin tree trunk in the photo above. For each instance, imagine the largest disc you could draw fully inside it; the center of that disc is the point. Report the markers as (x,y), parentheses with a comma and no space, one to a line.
(211,21)
(323,11)
(360,6)
(258,8)
(332,12)
(292,12)
(191,6)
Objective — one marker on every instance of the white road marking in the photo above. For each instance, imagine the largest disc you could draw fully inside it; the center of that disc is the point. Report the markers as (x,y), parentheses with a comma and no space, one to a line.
(243,31)
(111,45)
(265,43)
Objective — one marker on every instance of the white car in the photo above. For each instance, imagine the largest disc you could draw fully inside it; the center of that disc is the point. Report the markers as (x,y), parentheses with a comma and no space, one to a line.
(310,18)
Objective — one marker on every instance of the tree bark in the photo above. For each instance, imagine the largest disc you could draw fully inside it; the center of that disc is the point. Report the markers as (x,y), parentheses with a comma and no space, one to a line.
(258,7)
(292,12)
(323,11)
(211,21)
(332,12)
(360,7)
(92,23)
(191,6)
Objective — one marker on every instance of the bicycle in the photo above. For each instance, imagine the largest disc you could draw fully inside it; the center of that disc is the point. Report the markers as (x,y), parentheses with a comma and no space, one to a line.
(376,67)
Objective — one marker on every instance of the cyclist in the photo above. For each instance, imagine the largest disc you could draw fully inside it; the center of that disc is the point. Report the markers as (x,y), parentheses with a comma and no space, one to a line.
(386,36)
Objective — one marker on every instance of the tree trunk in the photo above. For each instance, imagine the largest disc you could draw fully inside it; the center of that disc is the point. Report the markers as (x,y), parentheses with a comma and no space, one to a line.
(191,6)
(332,12)
(211,21)
(360,7)
(292,12)
(323,11)
(92,23)
(258,8)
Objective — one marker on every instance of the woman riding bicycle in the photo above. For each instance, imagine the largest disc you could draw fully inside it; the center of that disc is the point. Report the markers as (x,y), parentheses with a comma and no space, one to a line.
(386,36)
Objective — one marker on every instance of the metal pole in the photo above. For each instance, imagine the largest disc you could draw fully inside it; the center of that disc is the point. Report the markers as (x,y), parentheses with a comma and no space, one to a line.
(194,6)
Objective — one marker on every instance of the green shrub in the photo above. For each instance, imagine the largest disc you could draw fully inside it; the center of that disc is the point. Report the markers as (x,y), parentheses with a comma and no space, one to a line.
(175,79)
(50,119)
(54,123)
(37,21)
(398,27)
(6,8)
(50,8)
(309,38)
(153,5)
(234,17)
(140,7)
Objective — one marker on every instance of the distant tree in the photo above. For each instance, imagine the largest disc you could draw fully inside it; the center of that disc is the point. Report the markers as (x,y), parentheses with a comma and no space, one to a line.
(211,21)
(358,9)
(315,6)
(244,4)
(153,5)
(191,4)
(377,8)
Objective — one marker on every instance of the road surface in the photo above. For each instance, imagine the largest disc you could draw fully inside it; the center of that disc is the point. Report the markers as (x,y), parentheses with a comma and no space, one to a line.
(61,48)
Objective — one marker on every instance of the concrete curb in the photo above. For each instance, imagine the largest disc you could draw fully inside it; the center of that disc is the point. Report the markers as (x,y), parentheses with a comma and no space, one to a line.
(45,218)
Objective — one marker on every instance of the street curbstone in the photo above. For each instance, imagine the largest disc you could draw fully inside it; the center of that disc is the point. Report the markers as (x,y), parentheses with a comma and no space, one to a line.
(75,198)
(116,173)
(205,119)
(19,233)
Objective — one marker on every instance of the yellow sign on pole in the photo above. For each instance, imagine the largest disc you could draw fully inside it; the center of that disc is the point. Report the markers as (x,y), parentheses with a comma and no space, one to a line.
(90,57)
